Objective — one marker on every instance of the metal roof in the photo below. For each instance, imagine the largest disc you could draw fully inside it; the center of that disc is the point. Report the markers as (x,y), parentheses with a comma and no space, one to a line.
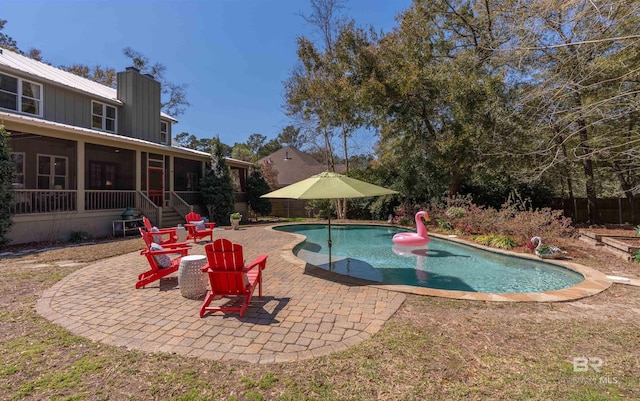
(4,116)
(21,64)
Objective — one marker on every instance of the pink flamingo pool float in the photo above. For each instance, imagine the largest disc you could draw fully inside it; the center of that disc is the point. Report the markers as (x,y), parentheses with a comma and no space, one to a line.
(414,239)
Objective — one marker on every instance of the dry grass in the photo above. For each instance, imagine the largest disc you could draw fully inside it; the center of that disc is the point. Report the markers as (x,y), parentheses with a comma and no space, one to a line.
(431,349)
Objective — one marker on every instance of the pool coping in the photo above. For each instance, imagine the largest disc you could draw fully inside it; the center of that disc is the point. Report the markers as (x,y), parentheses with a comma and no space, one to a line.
(594,281)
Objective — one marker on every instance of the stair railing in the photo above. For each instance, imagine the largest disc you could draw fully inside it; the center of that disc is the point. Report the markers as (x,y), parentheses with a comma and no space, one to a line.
(179,205)
(148,208)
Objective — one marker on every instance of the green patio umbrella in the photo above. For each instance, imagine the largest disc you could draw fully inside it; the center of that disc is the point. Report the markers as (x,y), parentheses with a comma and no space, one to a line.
(329,185)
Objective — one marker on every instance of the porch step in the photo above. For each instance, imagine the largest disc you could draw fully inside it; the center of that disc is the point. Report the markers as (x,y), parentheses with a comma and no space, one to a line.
(170,218)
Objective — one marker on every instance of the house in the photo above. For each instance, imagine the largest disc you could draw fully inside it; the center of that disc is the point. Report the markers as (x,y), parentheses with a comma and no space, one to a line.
(292,166)
(85,152)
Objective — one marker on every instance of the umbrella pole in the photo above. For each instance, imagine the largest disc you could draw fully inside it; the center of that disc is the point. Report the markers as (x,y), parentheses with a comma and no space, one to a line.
(329,227)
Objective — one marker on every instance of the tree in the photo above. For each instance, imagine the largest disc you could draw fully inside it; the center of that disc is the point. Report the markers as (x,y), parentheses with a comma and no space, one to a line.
(268,148)
(7,42)
(291,136)
(7,171)
(255,142)
(270,174)
(102,75)
(256,187)
(174,95)
(217,187)
(242,151)
(581,76)
(438,96)
(325,92)
(190,141)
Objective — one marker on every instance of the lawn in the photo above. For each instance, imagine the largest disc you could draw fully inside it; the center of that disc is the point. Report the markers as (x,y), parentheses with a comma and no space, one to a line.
(432,348)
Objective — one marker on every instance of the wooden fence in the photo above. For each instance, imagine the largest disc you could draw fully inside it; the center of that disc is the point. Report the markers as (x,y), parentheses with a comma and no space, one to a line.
(610,210)
(290,208)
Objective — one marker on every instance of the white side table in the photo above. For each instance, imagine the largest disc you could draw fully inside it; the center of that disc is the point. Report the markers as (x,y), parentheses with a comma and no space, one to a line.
(182,233)
(192,281)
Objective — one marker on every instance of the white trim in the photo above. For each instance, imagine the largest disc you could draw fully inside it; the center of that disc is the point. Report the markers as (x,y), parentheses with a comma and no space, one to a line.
(165,132)
(105,107)
(20,95)
(52,171)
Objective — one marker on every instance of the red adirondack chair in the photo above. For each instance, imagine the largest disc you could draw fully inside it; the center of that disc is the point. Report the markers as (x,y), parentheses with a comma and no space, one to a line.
(148,238)
(160,262)
(229,277)
(196,228)
(161,236)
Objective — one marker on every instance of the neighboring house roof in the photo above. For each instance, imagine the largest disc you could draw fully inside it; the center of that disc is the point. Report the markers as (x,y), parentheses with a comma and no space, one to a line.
(55,76)
(293,165)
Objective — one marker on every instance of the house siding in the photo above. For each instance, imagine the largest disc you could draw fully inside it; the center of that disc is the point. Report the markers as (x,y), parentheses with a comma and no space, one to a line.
(66,107)
(139,117)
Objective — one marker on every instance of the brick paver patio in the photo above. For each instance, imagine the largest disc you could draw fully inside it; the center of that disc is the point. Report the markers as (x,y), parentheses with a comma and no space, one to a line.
(305,312)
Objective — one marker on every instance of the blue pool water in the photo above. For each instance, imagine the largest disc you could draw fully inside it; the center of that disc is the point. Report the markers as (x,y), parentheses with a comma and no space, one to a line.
(367,252)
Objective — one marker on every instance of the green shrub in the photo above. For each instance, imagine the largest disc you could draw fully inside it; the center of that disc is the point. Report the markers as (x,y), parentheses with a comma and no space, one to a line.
(217,187)
(497,241)
(80,236)
(455,212)
(7,170)
(256,187)
(636,257)
(445,225)
(637,231)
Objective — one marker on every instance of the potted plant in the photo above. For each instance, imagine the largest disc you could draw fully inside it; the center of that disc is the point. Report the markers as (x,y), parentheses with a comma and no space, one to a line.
(235,220)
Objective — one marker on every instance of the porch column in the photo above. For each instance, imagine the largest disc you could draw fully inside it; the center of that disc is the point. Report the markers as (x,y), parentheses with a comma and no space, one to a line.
(80,168)
(172,173)
(138,170)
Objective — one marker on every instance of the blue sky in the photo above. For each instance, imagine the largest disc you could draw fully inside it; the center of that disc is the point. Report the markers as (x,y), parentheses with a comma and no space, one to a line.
(232,54)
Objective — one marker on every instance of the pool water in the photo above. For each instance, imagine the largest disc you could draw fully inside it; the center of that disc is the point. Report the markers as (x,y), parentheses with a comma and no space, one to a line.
(367,252)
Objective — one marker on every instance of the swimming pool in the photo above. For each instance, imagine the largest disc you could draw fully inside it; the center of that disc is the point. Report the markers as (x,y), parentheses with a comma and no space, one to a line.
(367,252)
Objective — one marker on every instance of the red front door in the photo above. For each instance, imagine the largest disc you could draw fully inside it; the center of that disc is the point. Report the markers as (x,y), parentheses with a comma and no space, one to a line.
(155,187)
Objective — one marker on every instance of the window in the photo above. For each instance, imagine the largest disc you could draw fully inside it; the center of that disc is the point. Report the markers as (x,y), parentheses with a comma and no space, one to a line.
(164,131)
(102,175)
(18,162)
(52,172)
(20,95)
(103,116)
(192,181)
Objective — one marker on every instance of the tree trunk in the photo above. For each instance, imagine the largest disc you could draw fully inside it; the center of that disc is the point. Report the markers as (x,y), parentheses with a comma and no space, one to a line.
(454,176)
(342,205)
(587,164)
(567,171)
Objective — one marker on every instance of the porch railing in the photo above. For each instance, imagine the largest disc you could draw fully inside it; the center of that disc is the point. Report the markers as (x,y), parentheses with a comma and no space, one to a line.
(104,200)
(190,197)
(179,205)
(148,208)
(43,201)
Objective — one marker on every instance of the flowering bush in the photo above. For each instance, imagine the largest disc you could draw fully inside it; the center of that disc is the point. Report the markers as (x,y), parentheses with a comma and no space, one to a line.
(236,216)
(516,219)
(404,216)
(455,212)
